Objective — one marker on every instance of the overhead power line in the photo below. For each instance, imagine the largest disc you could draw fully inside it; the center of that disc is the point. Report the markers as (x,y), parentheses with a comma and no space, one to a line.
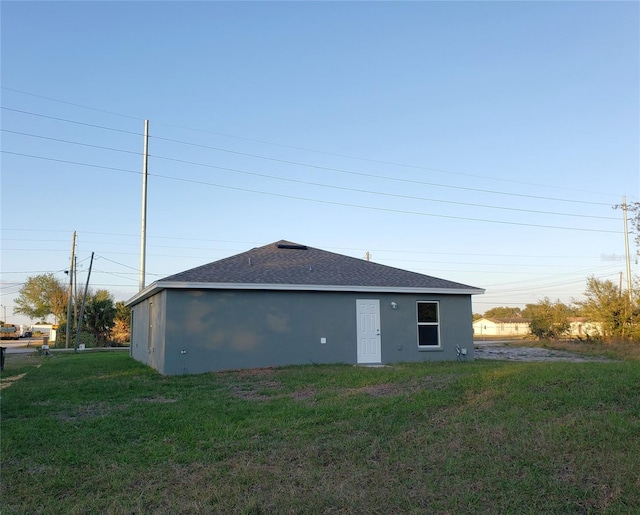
(72,104)
(317,167)
(76,122)
(391,163)
(309,183)
(359,206)
(59,140)
(254,244)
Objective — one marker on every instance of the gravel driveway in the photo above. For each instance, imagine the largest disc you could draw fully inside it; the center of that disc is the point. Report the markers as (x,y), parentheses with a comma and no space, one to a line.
(498,350)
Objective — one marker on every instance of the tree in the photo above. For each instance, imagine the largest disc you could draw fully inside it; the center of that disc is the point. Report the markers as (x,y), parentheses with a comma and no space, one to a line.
(121,332)
(99,315)
(41,296)
(123,313)
(503,312)
(548,320)
(612,308)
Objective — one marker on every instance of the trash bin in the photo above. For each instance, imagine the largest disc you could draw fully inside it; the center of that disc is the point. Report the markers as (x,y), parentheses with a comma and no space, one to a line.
(3,351)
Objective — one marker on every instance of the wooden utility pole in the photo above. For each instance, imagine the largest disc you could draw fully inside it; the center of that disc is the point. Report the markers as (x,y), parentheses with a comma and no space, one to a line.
(70,303)
(143,229)
(75,291)
(626,245)
(620,285)
(84,302)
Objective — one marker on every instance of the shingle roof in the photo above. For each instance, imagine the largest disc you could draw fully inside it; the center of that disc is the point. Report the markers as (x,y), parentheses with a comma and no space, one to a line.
(287,263)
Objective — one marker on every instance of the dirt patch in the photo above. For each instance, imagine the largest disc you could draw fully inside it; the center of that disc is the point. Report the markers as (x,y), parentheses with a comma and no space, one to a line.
(304,394)
(410,388)
(381,390)
(8,381)
(156,400)
(435,382)
(250,372)
(256,391)
(500,351)
(87,411)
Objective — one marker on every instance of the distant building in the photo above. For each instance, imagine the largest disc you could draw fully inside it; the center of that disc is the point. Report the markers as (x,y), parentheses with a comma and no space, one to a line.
(48,330)
(501,327)
(580,327)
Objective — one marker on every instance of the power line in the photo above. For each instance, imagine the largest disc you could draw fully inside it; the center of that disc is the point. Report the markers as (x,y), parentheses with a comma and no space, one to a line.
(70,142)
(346,156)
(258,243)
(71,103)
(117,275)
(341,188)
(76,122)
(406,197)
(387,210)
(369,175)
(309,183)
(296,163)
(117,263)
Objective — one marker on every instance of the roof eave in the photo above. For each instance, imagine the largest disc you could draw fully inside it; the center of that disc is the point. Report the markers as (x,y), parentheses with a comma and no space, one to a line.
(158,286)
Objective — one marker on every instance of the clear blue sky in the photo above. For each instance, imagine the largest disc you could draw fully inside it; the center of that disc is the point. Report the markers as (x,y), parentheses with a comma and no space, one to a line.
(481,142)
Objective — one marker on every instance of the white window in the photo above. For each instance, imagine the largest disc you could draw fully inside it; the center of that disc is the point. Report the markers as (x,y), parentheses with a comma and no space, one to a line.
(428,325)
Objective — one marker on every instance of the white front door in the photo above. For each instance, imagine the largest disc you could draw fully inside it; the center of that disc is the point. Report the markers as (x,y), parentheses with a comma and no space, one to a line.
(368,319)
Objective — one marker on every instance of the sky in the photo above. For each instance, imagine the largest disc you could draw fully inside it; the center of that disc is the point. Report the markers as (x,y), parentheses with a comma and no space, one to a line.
(481,142)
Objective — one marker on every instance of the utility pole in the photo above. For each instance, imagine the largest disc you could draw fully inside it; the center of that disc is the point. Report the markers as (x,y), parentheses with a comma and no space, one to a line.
(620,285)
(84,302)
(69,304)
(626,245)
(143,229)
(75,292)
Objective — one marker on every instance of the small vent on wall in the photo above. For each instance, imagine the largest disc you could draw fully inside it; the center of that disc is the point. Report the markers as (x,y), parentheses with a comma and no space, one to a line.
(292,246)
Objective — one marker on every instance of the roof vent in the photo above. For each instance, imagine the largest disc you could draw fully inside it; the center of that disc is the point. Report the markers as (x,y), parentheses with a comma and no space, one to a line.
(292,246)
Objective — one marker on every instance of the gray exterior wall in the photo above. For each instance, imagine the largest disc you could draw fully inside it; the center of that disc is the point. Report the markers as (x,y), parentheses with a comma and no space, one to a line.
(194,331)
(148,331)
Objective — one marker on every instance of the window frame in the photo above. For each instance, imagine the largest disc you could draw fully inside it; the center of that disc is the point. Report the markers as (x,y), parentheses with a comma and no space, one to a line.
(435,324)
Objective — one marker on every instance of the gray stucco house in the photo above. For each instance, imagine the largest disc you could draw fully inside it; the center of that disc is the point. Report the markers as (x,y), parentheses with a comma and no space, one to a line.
(285,304)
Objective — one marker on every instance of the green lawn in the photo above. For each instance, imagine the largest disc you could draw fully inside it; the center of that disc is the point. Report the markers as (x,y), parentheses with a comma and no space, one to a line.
(101,433)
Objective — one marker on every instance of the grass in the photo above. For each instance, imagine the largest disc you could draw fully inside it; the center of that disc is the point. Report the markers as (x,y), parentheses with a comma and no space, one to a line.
(101,433)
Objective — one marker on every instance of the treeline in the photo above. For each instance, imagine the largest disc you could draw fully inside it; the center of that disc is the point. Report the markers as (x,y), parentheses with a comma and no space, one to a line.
(615,313)
(104,321)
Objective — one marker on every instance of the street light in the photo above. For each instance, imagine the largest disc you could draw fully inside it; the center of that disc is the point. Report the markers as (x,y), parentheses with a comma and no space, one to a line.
(4,320)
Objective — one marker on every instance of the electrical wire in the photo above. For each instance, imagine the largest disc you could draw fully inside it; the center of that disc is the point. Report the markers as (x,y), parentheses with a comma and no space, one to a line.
(309,183)
(300,164)
(359,206)
(71,142)
(345,156)
(137,270)
(257,243)
(295,163)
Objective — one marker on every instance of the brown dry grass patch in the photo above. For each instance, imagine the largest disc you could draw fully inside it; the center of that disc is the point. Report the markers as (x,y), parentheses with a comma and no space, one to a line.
(8,381)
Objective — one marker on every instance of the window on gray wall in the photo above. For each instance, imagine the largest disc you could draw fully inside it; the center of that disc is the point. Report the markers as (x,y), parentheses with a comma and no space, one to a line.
(428,325)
